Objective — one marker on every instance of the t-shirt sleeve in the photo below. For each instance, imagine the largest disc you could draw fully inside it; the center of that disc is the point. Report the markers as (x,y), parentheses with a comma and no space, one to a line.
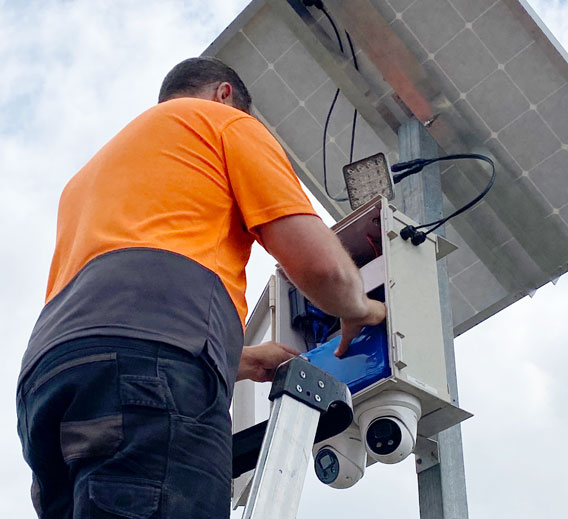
(261,176)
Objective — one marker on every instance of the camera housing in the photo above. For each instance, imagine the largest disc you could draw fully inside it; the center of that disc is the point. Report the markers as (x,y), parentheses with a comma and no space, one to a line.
(340,461)
(388,423)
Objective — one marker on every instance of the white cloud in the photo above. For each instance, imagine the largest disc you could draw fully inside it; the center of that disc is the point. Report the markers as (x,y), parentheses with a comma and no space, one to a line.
(73,73)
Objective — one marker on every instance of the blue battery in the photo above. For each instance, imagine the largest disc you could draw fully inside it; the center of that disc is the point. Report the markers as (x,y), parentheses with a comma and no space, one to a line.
(366,361)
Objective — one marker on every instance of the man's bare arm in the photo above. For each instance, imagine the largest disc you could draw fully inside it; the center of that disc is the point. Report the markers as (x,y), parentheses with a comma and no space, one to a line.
(316,262)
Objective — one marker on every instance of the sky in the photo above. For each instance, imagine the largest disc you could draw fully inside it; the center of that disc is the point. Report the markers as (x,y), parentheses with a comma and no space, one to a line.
(73,74)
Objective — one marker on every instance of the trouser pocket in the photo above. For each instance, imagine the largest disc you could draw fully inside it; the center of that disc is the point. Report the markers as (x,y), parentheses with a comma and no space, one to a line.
(112,497)
(198,479)
(89,438)
(193,388)
(92,423)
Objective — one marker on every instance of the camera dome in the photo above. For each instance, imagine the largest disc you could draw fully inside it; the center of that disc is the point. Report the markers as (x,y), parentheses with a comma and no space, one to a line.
(388,424)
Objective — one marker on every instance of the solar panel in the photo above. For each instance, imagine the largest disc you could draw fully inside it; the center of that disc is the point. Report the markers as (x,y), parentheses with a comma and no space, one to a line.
(481,76)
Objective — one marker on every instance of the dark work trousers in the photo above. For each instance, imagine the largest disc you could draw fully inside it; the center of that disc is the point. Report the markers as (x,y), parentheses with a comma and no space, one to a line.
(116,427)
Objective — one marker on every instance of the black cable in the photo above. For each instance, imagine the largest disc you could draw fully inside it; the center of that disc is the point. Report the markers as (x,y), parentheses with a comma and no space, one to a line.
(330,112)
(323,150)
(351,148)
(334,28)
(320,6)
(355,63)
(415,166)
(478,198)
(355,111)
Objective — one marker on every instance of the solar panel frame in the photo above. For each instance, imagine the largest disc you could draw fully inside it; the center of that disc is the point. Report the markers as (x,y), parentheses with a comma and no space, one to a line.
(506,100)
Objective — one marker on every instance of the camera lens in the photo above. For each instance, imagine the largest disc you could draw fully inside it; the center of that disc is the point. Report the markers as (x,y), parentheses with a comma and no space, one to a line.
(327,466)
(383,436)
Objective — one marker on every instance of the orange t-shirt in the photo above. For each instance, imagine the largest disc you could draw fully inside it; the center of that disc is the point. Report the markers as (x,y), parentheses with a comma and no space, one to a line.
(189,176)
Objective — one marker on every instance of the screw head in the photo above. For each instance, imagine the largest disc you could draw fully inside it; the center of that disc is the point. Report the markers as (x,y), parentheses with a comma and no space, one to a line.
(303,374)
(318,398)
(299,388)
(321,384)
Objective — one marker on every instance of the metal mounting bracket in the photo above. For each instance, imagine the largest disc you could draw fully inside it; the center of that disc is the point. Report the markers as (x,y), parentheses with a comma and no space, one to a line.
(426,453)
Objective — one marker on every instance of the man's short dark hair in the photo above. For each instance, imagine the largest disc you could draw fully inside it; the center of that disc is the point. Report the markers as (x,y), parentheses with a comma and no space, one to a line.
(191,75)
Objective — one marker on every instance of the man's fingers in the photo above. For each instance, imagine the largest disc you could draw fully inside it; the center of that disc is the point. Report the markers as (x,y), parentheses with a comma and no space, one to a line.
(351,328)
(379,312)
(269,375)
(280,355)
(346,338)
(342,348)
(278,346)
(292,351)
(270,355)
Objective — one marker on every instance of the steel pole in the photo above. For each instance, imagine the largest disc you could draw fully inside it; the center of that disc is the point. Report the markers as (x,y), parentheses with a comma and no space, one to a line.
(441,488)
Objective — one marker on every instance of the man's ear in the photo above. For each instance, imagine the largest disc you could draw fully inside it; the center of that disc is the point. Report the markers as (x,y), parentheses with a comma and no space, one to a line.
(224,93)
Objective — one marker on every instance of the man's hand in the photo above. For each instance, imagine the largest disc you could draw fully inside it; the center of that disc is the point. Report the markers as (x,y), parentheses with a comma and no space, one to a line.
(350,328)
(259,363)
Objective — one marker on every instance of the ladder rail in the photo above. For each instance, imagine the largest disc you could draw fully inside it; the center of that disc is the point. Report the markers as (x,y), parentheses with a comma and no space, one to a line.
(283,460)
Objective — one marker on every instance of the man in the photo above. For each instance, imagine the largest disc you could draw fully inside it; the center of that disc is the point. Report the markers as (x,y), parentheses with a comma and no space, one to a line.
(125,386)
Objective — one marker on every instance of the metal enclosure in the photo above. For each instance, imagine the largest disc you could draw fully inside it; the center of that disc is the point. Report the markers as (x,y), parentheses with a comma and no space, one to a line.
(406,275)
(409,276)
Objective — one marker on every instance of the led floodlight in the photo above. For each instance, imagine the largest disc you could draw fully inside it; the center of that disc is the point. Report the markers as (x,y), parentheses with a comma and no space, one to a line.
(367,178)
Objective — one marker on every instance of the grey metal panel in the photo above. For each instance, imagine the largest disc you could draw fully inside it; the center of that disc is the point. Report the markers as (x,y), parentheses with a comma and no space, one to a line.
(300,71)
(553,111)
(242,51)
(274,109)
(484,75)
(501,32)
(306,142)
(460,70)
(421,16)
(447,86)
(476,283)
(535,73)
(497,100)
(529,140)
(318,105)
(550,177)
(268,33)
(471,10)
(462,311)
(564,214)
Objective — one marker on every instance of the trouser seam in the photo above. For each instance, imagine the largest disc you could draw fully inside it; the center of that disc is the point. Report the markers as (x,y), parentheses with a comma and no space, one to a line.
(170,405)
(164,494)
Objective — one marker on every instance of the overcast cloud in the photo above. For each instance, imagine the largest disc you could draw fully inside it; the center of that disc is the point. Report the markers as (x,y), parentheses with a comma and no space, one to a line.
(74,73)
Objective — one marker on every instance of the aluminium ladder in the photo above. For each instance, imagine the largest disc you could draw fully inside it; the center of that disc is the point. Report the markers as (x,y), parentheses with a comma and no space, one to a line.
(309,406)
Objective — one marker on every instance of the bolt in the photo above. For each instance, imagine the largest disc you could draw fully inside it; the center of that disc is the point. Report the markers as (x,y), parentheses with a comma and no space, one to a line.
(377,221)
(431,121)
(318,398)
(303,374)
(321,384)
(299,388)
(419,461)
